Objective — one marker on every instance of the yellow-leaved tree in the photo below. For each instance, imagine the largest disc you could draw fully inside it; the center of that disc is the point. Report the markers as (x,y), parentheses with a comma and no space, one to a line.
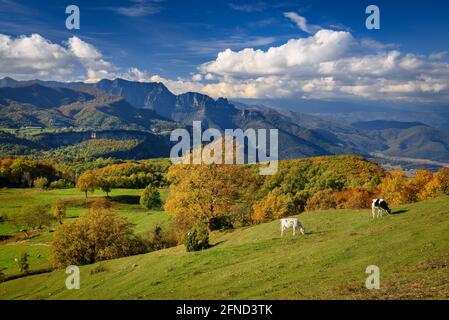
(87,182)
(437,186)
(203,192)
(274,206)
(393,187)
(416,185)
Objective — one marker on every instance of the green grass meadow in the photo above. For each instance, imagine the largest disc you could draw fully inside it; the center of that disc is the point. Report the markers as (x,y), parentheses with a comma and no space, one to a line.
(124,201)
(411,248)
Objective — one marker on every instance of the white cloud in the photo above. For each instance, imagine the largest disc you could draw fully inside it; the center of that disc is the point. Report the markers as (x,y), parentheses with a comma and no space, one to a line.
(28,57)
(301,22)
(179,85)
(296,54)
(328,65)
(139,8)
(438,55)
(197,77)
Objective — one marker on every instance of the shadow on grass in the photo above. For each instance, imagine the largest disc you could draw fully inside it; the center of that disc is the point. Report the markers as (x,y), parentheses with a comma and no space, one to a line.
(216,243)
(126,199)
(4,237)
(399,211)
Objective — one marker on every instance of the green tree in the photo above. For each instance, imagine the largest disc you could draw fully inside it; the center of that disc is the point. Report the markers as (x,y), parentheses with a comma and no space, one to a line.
(32,217)
(150,198)
(105,185)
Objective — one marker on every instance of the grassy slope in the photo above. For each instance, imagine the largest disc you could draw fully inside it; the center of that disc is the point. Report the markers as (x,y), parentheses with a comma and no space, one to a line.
(125,202)
(411,249)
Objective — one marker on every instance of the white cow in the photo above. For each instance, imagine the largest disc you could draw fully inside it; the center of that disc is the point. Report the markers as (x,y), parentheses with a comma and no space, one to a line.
(291,223)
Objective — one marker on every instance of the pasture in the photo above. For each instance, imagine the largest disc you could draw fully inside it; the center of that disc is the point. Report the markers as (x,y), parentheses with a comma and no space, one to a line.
(410,247)
(12,244)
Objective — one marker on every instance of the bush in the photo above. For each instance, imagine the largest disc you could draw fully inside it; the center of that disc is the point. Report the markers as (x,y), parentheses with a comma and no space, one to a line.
(98,269)
(158,239)
(322,200)
(101,203)
(40,183)
(220,223)
(97,235)
(61,184)
(198,238)
(150,198)
(22,263)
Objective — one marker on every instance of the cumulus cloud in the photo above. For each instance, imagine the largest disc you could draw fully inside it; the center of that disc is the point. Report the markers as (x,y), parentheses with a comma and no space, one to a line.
(27,57)
(328,65)
(179,85)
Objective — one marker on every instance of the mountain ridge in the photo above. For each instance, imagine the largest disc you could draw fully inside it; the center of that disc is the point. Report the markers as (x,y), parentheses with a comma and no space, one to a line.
(128,105)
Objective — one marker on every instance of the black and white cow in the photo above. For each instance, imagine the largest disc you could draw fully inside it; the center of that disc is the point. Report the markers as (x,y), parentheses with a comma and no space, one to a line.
(379,206)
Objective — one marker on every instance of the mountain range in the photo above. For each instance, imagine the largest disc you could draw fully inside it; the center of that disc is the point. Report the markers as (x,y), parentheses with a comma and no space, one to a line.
(149,111)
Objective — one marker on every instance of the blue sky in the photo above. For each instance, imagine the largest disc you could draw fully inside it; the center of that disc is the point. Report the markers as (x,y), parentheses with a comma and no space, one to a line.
(173,39)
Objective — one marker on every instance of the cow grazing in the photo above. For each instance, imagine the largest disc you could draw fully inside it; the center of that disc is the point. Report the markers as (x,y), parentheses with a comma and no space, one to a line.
(379,206)
(291,223)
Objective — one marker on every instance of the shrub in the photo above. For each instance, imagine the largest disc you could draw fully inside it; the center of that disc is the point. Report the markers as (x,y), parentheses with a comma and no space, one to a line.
(158,239)
(59,210)
(41,183)
(101,203)
(60,184)
(98,269)
(150,198)
(97,235)
(220,223)
(322,200)
(197,238)
(22,263)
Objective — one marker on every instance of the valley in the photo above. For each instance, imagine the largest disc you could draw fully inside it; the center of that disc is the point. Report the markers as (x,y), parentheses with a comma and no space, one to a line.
(68,114)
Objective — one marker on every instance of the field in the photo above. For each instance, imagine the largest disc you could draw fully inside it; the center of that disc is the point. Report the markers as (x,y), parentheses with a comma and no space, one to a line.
(124,201)
(410,247)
